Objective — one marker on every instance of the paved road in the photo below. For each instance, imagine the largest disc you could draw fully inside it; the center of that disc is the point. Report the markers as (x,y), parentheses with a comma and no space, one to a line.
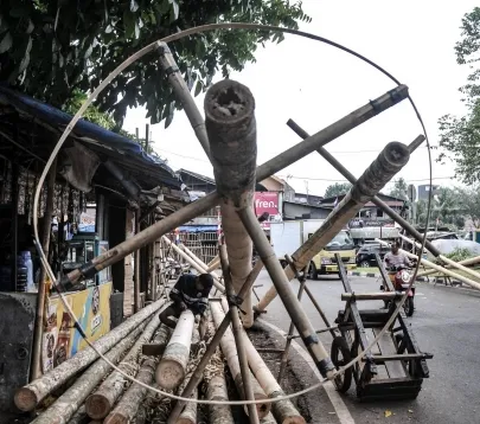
(446,323)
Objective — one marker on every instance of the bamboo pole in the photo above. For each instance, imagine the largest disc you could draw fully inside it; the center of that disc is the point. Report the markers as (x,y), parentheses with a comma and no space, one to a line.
(447,260)
(136,275)
(231,128)
(291,155)
(80,417)
(172,368)
(237,335)
(99,404)
(351,178)
(217,390)
(199,261)
(283,410)
(129,404)
(388,163)
(68,403)
(29,396)
(189,413)
(42,290)
(465,262)
(229,350)
(438,268)
(194,264)
(291,329)
(168,64)
(197,375)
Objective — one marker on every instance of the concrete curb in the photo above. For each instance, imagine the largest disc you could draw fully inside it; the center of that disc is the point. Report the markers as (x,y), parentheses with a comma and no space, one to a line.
(342,413)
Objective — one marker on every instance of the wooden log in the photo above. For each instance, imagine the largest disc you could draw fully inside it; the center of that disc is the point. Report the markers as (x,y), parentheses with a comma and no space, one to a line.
(283,410)
(237,330)
(80,417)
(29,396)
(70,401)
(172,367)
(211,349)
(371,296)
(99,404)
(189,413)
(229,350)
(127,407)
(269,419)
(217,390)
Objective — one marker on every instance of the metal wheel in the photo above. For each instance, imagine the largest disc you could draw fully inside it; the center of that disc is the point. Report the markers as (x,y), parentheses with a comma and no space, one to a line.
(364,264)
(340,354)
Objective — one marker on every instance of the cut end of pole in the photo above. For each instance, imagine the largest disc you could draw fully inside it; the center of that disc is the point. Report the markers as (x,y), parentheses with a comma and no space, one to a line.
(293,420)
(229,101)
(25,399)
(97,406)
(169,374)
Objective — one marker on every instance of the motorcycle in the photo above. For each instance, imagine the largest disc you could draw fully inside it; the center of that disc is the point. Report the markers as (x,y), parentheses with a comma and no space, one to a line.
(400,277)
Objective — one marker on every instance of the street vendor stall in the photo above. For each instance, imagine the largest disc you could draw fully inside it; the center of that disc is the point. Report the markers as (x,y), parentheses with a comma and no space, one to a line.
(95,167)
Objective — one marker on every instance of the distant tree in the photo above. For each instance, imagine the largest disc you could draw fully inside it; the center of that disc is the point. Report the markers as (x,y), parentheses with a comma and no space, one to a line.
(337,189)
(400,189)
(459,136)
(49,49)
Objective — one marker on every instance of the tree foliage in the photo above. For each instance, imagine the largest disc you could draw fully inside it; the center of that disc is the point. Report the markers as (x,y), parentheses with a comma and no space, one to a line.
(451,206)
(51,49)
(400,189)
(337,189)
(460,136)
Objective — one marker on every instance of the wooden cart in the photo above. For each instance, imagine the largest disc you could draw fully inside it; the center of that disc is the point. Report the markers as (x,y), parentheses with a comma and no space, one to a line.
(395,367)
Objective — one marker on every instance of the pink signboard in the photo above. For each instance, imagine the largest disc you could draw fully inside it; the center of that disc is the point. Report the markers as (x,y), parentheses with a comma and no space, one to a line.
(267,202)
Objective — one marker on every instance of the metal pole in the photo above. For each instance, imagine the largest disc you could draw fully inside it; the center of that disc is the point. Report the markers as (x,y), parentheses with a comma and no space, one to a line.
(282,285)
(272,166)
(239,341)
(197,375)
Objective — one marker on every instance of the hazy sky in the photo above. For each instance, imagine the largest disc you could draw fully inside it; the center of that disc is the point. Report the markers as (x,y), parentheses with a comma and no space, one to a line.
(315,85)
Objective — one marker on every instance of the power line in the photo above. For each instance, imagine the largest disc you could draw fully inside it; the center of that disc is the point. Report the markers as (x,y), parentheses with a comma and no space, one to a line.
(288,177)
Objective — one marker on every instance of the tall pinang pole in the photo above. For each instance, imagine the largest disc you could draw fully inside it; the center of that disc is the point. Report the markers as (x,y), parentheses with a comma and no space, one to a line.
(231,129)
(391,160)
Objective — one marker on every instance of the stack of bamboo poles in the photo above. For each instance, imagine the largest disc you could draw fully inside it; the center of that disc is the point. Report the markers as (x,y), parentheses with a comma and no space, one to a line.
(92,393)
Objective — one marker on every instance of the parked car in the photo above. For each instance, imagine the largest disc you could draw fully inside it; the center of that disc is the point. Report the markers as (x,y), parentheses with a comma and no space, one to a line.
(366,254)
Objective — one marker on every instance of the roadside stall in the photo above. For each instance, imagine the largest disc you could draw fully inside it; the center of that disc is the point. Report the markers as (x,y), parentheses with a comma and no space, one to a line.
(120,182)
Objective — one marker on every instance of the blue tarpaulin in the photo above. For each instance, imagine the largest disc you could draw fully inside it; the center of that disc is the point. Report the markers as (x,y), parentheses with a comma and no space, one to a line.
(105,140)
(198,228)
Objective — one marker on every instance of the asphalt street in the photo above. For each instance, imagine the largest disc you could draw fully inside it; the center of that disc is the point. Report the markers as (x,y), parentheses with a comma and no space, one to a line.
(446,323)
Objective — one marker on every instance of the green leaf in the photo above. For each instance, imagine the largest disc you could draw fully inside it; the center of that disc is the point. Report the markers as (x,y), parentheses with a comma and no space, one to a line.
(6,43)
(198,88)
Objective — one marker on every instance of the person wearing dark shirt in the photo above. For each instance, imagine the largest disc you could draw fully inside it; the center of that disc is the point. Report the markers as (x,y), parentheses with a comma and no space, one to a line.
(190,292)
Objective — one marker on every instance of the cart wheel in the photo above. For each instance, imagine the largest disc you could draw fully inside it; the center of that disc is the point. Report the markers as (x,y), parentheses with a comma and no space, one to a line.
(340,354)
(409,307)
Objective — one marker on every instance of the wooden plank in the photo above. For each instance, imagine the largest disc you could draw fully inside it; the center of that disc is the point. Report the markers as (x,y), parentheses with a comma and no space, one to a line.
(395,369)
(153,349)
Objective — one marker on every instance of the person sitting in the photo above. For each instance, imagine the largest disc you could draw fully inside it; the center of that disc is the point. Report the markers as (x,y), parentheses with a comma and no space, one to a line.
(394,259)
(189,292)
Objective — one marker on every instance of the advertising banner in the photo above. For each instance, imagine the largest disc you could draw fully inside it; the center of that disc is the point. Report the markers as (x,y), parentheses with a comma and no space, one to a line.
(60,340)
(267,202)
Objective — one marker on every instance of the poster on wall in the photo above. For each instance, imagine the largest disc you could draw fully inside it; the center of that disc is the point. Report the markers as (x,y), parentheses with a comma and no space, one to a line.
(60,340)
(267,202)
